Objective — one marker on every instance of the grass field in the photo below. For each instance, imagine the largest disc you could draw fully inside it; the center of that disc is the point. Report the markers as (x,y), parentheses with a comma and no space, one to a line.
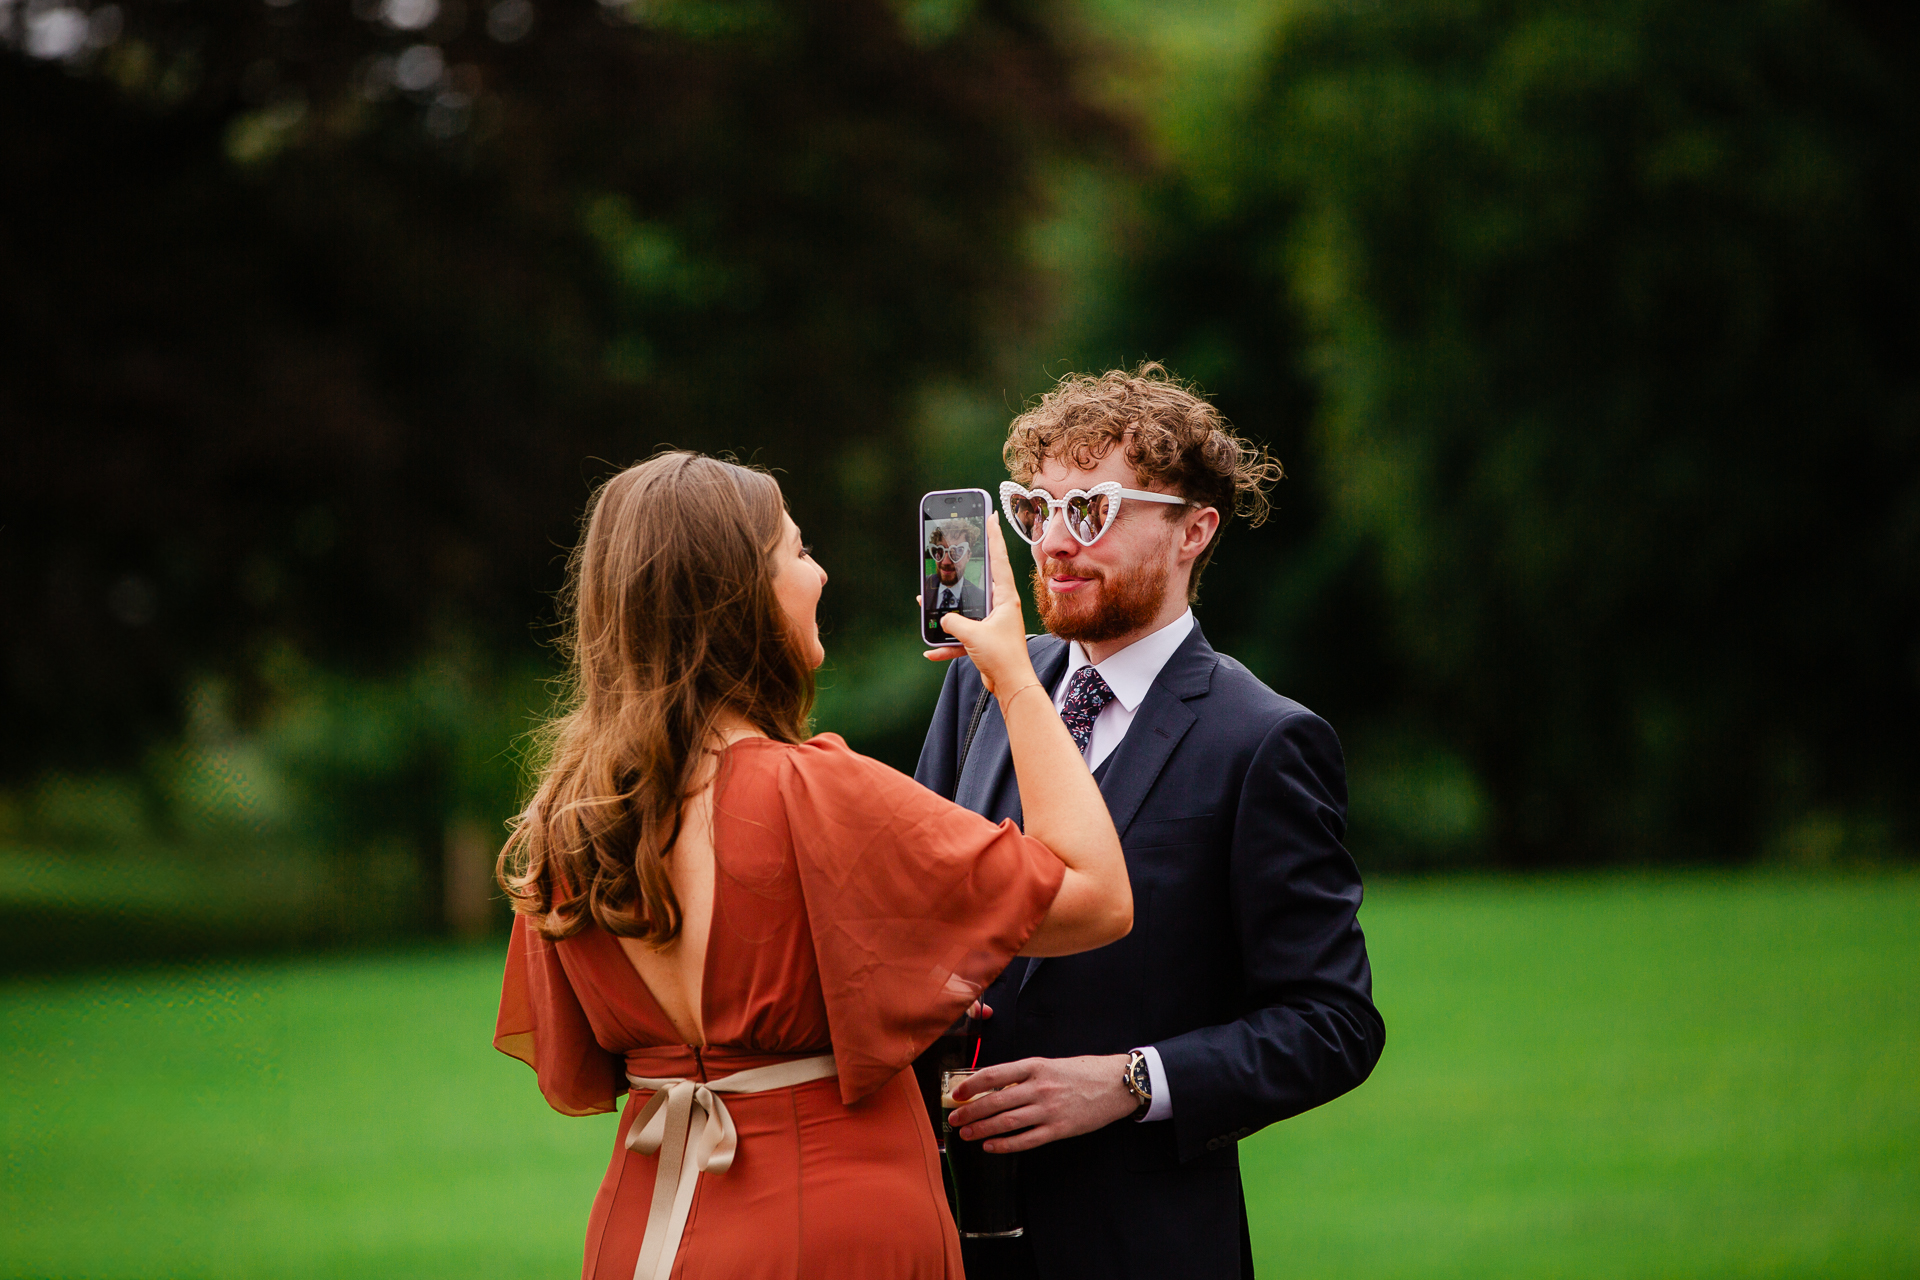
(1584,1078)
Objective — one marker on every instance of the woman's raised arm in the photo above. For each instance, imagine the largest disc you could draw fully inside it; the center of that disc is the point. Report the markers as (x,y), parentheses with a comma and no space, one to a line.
(1061,803)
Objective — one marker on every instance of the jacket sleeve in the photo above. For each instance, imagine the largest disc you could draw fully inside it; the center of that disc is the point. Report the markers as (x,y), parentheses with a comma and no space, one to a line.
(1313,1032)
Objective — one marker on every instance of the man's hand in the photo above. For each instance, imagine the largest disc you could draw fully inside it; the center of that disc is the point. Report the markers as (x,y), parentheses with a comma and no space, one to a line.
(1041,1100)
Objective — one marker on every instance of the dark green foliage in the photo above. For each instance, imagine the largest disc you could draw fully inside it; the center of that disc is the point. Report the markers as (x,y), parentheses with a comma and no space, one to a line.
(1587,332)
(1612,323)
(297,355)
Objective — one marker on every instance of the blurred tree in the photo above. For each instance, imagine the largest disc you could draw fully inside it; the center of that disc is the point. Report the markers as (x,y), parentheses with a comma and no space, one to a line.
(323,321)
(1585,328)
(1611,314)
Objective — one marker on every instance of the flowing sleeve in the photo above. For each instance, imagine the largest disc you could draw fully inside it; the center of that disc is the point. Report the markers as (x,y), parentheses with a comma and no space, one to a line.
(542,1024)
(916,904)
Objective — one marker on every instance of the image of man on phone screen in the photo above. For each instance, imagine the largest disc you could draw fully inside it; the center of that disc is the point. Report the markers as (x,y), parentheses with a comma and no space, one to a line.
(953,574)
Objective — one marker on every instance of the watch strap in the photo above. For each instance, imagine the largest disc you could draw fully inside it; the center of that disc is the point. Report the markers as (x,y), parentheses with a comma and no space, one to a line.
(1139,1083)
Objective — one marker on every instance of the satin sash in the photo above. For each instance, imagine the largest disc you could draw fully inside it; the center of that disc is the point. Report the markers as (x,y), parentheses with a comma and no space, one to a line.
(666,1127)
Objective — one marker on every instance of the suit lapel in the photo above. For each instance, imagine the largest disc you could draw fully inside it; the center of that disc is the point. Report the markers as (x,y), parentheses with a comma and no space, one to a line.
(1162,720)
(986,783)
(1156,730)
(1127,775)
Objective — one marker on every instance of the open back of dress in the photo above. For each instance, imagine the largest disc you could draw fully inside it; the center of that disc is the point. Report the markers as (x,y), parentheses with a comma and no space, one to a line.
(854,912)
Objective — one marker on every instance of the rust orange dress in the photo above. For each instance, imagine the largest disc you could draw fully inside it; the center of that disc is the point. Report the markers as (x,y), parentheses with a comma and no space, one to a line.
(854,912)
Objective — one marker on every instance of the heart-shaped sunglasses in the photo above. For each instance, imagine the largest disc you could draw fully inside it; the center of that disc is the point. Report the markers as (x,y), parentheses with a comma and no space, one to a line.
(1089,512)
(953,551)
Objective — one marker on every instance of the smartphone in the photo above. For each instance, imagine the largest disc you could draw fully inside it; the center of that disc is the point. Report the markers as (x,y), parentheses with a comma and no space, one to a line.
(953,559)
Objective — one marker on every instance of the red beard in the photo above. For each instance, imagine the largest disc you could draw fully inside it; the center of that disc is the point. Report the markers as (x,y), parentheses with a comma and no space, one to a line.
(1117,606)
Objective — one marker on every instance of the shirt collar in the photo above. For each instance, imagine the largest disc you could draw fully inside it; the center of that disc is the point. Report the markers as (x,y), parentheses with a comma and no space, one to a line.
(1132,671)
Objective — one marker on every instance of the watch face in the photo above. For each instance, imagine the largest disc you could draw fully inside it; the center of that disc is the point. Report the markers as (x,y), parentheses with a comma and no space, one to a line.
(1138,1079)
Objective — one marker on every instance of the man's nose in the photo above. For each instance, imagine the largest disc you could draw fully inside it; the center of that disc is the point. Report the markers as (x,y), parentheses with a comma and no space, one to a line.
(1056,542)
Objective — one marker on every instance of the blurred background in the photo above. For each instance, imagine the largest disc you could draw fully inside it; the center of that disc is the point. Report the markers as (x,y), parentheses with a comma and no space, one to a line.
(1587,330)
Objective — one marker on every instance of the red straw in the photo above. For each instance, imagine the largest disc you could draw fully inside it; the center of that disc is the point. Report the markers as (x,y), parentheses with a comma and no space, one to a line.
(976,1052)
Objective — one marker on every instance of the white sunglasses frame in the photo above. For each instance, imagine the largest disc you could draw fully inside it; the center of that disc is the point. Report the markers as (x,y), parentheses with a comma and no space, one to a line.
(1109,489)
(949,549)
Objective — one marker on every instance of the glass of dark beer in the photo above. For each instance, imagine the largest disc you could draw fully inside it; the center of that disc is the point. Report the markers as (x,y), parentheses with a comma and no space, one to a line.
(949,1053)
(985,1187)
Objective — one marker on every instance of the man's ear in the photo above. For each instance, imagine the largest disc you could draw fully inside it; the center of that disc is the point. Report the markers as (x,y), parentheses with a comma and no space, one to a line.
(1196,533)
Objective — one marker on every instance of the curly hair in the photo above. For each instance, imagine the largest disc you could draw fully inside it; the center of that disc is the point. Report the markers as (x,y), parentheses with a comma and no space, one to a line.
(1173,439)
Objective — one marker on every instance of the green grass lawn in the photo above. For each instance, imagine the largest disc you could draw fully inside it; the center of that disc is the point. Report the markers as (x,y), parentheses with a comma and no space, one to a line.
(1609,1077)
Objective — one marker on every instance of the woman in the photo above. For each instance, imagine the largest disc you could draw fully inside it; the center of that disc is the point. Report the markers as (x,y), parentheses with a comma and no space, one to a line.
(753,932)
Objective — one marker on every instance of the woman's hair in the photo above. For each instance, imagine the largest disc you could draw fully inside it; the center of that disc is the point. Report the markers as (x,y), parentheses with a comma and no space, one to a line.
(671,621)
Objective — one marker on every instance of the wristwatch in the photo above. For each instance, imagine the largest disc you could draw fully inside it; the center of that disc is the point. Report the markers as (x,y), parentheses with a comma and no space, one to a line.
(1139,1082)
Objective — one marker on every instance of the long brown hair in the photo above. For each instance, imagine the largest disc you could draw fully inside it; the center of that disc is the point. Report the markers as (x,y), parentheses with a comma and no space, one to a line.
(671,621)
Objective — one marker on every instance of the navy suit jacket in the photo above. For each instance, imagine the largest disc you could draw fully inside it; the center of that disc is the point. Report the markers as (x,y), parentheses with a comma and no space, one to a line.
(1246,967)
(971,595)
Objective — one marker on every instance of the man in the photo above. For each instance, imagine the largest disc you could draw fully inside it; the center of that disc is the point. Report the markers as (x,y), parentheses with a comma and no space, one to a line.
(950,545)
(1126,1076)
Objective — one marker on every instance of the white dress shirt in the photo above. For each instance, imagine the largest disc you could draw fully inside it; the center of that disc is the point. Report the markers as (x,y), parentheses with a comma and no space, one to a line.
(1129,673)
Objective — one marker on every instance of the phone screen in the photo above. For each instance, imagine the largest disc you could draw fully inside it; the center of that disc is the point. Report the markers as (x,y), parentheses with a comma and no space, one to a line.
(953,559)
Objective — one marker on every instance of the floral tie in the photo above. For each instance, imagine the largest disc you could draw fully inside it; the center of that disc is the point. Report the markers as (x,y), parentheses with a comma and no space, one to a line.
(1087,695)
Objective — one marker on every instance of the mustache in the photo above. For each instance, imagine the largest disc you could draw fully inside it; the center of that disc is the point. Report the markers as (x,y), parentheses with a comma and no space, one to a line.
(1066,569)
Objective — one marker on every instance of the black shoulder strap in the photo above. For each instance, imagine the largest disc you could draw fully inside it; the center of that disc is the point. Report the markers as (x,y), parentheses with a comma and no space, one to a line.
(966,743)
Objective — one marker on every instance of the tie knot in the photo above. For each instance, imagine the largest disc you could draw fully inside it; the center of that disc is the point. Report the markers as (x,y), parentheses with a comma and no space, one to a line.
(1087,696)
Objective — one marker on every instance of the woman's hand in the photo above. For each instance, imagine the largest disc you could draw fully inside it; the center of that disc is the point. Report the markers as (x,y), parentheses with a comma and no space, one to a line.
(998,643)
